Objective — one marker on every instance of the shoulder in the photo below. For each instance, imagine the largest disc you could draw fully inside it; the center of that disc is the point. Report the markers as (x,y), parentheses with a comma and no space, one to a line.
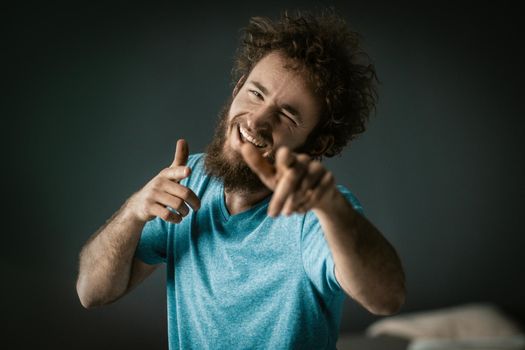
(351,198)
(198,177)
(196,164)
(196,160)
(311,223)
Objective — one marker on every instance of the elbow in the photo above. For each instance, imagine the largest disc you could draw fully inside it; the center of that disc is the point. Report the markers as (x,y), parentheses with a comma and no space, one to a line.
(84,297)
(88,297)
(386,309)
(87,304)
(389,306)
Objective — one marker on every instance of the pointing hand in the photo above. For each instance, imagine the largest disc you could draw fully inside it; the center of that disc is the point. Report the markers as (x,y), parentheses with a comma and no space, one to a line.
(299,183)
(165,190)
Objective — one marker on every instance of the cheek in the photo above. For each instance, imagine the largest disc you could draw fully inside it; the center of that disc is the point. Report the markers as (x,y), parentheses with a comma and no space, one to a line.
(235,110)
(237,106)
(287,139)
(291,137)
(242,104)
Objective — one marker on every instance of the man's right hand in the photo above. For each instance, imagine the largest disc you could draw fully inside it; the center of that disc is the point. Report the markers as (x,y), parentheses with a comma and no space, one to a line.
(164,190)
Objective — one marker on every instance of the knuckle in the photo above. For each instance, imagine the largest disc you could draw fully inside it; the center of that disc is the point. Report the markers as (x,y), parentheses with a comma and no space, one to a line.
(172,173)
(303,158)
(164,172)
(152,194)
(156,183)
(316,165)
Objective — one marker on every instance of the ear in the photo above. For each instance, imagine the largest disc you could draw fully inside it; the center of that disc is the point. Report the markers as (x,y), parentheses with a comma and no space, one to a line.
(238,86)
(322,144)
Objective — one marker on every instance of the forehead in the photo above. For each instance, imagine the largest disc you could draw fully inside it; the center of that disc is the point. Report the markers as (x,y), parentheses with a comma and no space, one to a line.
(277,69)
(286,81)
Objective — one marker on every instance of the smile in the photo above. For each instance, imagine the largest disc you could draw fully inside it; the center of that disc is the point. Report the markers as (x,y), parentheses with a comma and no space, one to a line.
(245,136)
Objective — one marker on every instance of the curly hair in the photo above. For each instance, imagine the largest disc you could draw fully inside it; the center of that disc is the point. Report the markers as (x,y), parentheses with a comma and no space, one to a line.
(338,69)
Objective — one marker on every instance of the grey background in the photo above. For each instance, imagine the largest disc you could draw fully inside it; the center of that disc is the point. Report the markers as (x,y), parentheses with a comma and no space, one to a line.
(96,96)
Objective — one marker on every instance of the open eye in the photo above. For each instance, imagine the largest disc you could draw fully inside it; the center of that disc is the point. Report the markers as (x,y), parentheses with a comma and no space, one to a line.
(255,93)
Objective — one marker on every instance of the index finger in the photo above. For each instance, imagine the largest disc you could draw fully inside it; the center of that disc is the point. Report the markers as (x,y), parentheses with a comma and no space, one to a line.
(181,153)
(260,166)
(284,159)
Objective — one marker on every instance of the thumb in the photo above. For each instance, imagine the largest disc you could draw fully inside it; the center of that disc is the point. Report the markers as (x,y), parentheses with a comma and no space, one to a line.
(260,166)
(181,153)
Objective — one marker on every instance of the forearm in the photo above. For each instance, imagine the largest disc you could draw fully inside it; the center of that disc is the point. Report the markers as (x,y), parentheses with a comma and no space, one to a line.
(367,266)
(106,259)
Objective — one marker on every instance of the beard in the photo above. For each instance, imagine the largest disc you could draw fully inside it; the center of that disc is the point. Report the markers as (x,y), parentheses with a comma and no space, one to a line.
(227,164)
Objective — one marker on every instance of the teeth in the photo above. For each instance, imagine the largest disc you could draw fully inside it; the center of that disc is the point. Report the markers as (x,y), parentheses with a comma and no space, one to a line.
(249,138)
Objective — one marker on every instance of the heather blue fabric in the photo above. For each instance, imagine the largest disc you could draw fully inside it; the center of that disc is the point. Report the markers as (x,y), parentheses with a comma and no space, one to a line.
(246,281)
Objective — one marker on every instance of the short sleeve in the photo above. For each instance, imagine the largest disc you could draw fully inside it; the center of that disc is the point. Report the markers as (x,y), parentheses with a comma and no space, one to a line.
(317,257)
(350,197)
(152,246)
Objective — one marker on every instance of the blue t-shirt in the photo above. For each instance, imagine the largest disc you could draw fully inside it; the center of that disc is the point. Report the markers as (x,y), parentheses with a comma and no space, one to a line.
(245,281)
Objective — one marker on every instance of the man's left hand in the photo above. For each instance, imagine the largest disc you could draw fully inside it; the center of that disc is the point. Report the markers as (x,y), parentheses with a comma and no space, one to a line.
(299,183)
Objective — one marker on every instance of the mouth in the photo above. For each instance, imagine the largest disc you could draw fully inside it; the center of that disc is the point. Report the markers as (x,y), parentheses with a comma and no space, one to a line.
(247,137)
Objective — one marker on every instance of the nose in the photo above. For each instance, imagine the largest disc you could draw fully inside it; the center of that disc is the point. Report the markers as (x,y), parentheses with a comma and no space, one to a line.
(261,118)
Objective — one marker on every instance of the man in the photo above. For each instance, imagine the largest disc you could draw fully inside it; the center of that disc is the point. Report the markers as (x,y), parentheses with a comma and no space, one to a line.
(242,271)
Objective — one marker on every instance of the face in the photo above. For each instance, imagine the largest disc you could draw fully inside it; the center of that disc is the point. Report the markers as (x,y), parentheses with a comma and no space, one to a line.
(271,108)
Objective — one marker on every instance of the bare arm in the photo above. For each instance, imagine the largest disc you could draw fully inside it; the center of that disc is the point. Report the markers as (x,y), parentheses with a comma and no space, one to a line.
(366,265)
(107,268)
(106,260)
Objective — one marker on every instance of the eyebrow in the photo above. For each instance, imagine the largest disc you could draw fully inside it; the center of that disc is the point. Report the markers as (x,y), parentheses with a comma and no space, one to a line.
(259,86)
(286,107)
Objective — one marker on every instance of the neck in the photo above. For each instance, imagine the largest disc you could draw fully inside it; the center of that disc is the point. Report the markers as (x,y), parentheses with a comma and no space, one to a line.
(237,201)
